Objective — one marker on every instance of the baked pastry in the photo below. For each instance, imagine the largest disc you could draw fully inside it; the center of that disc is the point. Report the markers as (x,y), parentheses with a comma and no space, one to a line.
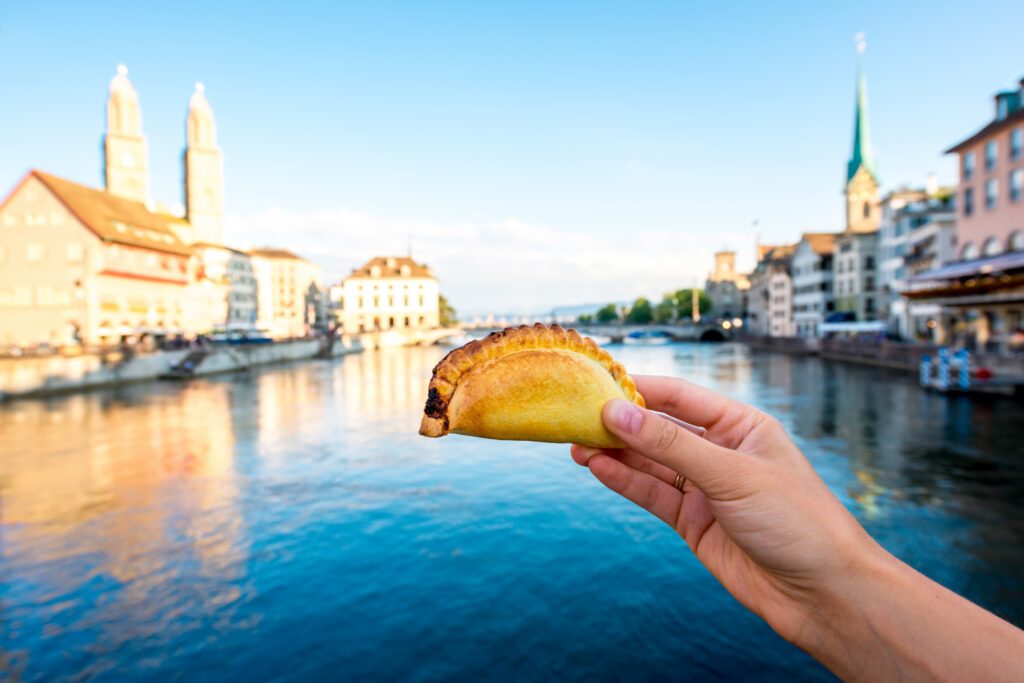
(527,384)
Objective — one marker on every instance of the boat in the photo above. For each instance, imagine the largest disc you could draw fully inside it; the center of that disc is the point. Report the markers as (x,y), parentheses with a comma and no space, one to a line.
(601,339)
(648,337)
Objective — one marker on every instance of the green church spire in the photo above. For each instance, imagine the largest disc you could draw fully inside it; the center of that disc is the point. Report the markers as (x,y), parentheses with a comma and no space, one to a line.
(862,154)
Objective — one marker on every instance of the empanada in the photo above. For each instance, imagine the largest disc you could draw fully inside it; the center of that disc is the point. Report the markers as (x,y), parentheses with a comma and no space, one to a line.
(527,384)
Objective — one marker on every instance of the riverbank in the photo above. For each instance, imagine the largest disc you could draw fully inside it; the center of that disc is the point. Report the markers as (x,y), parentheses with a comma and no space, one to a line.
(43,376)
(886,354)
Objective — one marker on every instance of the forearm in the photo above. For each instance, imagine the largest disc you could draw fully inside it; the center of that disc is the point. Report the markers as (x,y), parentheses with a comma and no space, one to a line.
(892,623)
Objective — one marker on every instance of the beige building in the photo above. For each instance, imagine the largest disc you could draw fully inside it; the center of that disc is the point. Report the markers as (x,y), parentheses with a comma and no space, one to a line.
(389,292)
(283,281)
(770,300)
(80,264)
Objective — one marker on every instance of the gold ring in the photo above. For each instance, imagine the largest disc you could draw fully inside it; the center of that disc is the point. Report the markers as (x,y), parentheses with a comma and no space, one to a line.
(680,481)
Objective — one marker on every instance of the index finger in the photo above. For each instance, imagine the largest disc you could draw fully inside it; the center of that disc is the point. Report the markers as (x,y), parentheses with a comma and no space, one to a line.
(691,402)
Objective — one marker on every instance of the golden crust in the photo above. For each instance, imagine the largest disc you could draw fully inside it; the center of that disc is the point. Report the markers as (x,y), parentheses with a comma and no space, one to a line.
(553,394)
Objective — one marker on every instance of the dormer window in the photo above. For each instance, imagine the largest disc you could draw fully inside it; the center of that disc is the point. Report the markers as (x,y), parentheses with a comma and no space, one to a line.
(406,271)
(391,262)
(374,271)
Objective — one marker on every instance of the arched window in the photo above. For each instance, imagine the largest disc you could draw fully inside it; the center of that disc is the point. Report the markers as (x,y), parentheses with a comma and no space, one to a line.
(969,252)
(867,210)
(1016,241)
(992,247)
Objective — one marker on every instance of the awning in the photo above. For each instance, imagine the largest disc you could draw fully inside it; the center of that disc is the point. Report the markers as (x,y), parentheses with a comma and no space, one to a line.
(985,266)
(866,326)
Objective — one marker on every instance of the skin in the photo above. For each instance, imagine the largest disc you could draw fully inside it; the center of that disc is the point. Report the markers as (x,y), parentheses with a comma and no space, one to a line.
(762,521)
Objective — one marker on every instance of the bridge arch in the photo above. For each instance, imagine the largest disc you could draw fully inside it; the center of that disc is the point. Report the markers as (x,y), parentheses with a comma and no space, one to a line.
(712,335)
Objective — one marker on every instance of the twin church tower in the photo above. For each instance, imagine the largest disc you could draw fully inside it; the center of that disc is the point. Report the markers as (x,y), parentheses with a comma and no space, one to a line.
(126,158)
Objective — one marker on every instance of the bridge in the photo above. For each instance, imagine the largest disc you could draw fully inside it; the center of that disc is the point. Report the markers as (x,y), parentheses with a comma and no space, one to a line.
(686,331)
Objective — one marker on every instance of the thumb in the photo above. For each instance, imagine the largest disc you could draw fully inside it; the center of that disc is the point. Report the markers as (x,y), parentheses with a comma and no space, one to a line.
(718,472)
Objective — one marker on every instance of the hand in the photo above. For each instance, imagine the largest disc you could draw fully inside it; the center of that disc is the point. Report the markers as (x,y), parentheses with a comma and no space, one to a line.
(756,514)
(752,510)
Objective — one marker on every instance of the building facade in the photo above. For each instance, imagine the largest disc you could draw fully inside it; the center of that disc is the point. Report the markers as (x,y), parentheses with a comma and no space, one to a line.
(855,275)
(727,288)
(228,273)
(770,298)
(389,292)
(83,266)
(980,298)
(812,283)
(283,280)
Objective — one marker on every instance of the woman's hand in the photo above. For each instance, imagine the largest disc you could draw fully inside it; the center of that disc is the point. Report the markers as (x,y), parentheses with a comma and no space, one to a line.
(756,514)
(752,510)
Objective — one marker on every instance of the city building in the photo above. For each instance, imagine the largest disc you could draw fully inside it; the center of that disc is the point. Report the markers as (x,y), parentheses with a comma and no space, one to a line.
(80,265)
(83,266)
(770,300)
(918,233)
(982,295)
(812,282)
(855,275)
(283,282)
(389,292)
(228,275)
(726,288)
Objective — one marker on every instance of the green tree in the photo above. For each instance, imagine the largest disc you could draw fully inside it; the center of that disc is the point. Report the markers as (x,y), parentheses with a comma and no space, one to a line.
(446,313)
(607,314)
(665,311)
(640,312)
(684,301)
(584,319)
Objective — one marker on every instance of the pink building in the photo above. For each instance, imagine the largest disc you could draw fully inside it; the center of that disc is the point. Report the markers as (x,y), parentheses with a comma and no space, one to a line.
(982,294)
(991,191)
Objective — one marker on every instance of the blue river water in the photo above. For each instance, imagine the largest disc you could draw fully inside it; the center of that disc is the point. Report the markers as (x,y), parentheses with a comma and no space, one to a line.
(289,523)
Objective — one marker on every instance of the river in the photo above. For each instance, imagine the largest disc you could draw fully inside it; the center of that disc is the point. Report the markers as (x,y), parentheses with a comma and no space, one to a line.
(290,523)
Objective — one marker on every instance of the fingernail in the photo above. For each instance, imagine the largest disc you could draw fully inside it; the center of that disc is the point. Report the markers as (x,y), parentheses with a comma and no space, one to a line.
(625,416)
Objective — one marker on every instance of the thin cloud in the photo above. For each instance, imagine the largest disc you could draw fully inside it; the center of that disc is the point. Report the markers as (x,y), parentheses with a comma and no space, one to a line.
(505,266)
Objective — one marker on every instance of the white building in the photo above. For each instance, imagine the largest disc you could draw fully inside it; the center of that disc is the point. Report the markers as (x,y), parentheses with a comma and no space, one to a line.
(230,271)
(389,292)
(918,233)
(770,301)
(855,286)
(812,282)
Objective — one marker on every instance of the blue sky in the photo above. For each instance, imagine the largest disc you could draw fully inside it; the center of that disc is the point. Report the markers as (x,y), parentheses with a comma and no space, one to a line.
(536,153)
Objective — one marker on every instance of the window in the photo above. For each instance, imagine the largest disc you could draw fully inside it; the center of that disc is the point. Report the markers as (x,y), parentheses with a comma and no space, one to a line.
(991,152)
(969,252)
(36,252)
(867,210)
(1016,143)
(9,220)
(869,283)
(968,171)
(969,201)
(992,247)
(1016,184)
(75,252)
(991,193)
(1016,241)
(869,263)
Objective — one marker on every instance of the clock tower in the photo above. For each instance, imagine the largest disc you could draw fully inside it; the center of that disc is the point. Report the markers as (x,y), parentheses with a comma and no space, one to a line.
(204,172)
(125,162)
(863,212)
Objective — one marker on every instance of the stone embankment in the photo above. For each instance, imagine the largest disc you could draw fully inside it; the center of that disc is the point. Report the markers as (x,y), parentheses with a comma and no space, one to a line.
(40,376)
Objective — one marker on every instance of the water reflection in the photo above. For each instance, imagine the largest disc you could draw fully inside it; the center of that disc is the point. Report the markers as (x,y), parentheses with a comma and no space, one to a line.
(241,524)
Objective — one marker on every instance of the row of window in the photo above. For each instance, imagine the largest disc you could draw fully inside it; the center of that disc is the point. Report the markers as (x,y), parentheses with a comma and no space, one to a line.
(405,286)
(992,153)
(993,247)
(34,219)
(391,301)
(848,265)
(992,192)
(848,287)
(36,253)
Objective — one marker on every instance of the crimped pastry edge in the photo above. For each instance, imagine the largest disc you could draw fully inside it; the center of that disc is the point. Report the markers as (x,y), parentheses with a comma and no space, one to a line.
(510,340)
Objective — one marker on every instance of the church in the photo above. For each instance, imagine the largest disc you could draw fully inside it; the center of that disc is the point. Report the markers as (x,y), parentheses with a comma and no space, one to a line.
(80,265)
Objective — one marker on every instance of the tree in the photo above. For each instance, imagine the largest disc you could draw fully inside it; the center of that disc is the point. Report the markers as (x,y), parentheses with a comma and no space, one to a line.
(446,313)
(666,310)
(584,319)
(640,312)
(684,300)
(607,314)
